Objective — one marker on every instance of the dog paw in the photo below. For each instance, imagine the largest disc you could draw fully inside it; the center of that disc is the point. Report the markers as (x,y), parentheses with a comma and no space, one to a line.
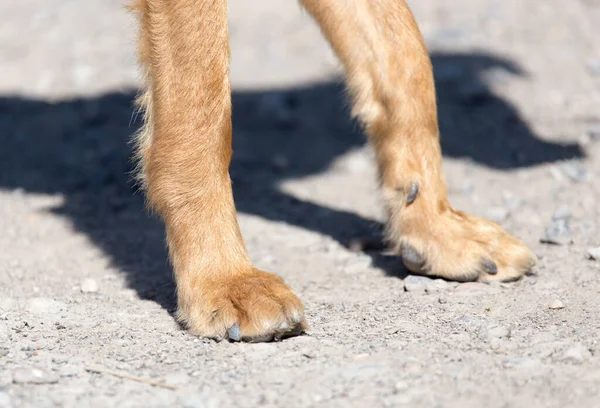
(461,247)
(255,307)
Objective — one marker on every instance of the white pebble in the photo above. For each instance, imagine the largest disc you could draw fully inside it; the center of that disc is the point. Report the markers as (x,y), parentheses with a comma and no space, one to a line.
(556,304)
(594,253)
(89,286)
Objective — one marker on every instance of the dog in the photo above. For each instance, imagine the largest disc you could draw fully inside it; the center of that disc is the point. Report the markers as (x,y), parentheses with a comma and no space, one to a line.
(184,152)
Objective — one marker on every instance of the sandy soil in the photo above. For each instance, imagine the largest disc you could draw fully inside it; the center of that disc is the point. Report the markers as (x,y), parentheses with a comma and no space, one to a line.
(84,282)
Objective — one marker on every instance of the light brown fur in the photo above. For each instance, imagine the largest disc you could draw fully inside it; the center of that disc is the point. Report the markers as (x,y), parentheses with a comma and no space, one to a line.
(184,153)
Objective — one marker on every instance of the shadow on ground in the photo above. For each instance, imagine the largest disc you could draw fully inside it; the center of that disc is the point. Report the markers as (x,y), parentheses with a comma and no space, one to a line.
(79,148)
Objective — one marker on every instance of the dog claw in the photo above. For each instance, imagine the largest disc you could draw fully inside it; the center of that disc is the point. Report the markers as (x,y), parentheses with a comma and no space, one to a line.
(233,333)
(489,266)
(413,190)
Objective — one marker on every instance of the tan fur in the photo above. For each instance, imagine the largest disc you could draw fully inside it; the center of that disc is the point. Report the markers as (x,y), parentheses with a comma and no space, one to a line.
(184,151)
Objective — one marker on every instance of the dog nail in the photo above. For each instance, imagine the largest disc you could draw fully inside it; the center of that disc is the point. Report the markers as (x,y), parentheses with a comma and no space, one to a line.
(489,266)
(413,190)
(234,333)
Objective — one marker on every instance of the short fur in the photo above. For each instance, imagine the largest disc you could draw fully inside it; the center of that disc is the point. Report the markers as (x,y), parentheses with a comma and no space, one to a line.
(184,151)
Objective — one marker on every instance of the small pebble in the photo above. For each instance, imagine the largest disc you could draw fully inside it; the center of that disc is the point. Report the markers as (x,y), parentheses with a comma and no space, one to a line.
(89,286)
(575,355)
(417,284)
(594,253)
(558,231)
(556,304)
(60,359)
(436,285)
(33,375)
(498,332)
(69,371)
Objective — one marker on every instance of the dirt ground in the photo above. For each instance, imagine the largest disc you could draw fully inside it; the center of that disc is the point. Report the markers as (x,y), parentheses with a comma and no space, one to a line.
(85,288)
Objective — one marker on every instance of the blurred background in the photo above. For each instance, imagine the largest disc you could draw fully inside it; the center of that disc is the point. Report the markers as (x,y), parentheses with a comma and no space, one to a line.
(518,86)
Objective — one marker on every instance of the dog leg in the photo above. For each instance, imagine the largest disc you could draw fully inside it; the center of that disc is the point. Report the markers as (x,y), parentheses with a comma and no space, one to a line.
(389,76)
(184,152)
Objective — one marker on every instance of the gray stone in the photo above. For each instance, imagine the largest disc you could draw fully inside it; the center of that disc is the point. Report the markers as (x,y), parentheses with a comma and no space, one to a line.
(70,371)
(558,231)
(60,359)
(436,285)
(416,284)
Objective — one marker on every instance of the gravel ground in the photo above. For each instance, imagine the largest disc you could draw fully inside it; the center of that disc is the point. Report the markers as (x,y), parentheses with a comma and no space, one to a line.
(85,289)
